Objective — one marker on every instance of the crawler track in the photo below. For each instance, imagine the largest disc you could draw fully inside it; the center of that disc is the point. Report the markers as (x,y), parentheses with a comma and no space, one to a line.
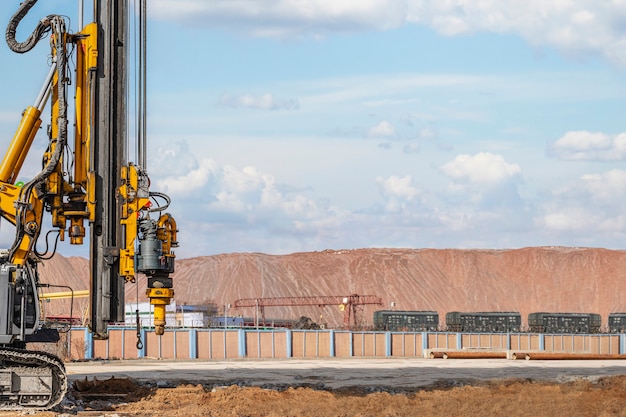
(30,380)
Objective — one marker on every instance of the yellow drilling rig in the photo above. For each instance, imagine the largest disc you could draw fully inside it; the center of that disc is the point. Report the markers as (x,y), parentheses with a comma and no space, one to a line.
(88,189)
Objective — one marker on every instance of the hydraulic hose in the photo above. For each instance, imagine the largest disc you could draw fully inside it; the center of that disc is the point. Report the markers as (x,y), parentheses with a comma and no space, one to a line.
(61,63)
(45,25)
(55,24)
(40,30)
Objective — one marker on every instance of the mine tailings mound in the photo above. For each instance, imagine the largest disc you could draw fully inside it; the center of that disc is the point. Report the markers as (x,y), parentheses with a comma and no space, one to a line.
(552,279)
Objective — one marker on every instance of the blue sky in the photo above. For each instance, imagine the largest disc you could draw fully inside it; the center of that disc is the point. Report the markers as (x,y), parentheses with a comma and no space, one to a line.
(281,126)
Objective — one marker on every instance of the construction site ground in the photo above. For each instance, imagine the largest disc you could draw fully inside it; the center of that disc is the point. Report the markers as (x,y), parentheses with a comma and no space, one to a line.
(345,387)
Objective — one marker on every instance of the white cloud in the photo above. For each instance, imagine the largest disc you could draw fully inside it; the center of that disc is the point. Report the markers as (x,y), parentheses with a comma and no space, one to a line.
(243,181)
(584,26)
(222,208)
(259,102)
(591,205)
(227,196)
(285,18)
(174,159)
(190,182)
(571,26)
(590,146)
(401,187)
(604,187)
(252,192)
(383,129)
(482,168)
(402,204)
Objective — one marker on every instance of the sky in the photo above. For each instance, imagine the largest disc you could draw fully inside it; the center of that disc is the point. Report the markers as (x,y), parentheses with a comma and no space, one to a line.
(283,126)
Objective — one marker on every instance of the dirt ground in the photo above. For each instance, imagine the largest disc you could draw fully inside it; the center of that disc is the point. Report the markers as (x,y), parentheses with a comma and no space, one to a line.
(604,397)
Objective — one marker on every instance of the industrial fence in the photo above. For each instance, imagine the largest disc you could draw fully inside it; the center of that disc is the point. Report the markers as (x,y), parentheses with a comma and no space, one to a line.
(284,343)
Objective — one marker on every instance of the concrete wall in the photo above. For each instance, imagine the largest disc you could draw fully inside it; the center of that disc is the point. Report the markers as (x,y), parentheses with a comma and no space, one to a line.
(237,343)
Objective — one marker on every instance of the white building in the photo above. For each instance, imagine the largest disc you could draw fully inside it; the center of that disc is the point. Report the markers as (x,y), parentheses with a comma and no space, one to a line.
(146,314)
(175,315)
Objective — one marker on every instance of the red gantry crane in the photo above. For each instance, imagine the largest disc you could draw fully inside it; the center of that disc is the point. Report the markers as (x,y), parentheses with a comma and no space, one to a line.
(351,305)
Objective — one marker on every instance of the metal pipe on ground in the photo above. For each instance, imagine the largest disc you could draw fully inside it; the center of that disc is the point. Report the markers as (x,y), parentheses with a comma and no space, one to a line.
(456,354)
(564,356)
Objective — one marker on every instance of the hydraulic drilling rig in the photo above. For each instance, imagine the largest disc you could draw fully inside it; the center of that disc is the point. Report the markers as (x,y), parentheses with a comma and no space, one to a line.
(87,187)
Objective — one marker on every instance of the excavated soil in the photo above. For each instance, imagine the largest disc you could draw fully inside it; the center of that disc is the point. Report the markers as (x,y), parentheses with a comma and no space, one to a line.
(122,397)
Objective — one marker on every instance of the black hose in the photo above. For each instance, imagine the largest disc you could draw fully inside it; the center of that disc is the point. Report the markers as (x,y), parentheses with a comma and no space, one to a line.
(40,30)
(56,24)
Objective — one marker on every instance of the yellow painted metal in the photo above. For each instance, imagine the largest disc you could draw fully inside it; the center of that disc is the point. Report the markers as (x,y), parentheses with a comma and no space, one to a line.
(9,194)
(55,179)
(91,195)
(132,205)
(159,298)
(81,192)
(30,113)
(80,188)
(18,165)
(166,233)
(159,293)
(86,64)
(71,196)
(22,140)
(65,294)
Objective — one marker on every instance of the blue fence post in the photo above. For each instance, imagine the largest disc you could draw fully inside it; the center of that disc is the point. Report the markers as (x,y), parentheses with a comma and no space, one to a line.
(424,342)
(242,343)
(542,342)
(459,341)
(88,344)
(141,353)
(622,344)
(351,344)
(193,344)
(107,342)
(304,333)
(332,343)
(388,344)
(288,342)
(123,344)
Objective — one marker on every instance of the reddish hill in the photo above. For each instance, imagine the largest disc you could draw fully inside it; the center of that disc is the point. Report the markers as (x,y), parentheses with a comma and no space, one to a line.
(524,280)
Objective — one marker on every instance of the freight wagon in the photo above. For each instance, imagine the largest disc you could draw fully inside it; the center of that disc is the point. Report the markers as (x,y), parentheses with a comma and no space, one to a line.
(617,323)
(410,321)
(564,323)
(484,322)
